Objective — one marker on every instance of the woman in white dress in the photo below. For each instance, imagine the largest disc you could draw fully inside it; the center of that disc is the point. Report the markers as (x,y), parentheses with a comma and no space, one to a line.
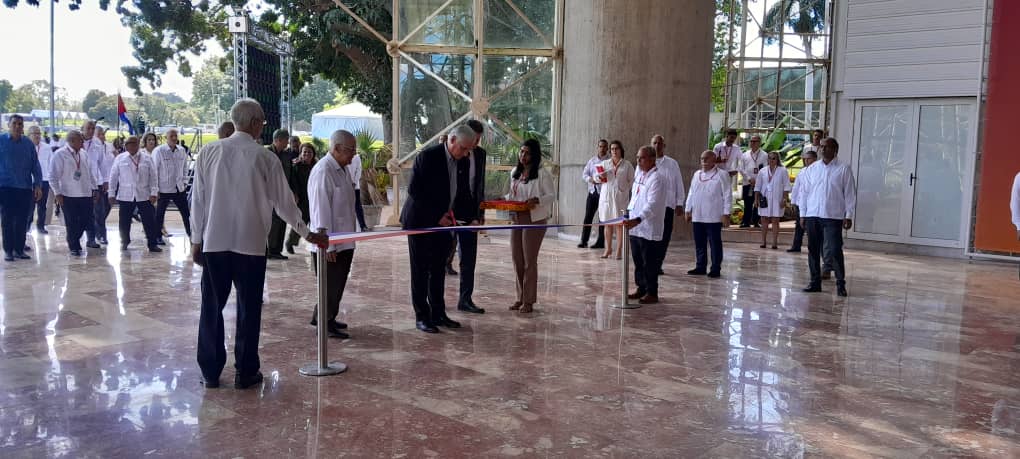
(618,176)
(771,193)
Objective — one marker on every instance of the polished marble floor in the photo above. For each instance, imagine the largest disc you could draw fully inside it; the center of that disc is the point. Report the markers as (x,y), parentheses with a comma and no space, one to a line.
(97,359)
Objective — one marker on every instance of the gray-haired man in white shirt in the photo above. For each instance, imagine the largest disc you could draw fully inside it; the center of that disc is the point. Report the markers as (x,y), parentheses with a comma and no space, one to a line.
(331,205)
(238,184)
(645,223)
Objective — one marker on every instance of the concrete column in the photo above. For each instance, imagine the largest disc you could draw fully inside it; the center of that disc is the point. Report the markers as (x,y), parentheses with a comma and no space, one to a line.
(633,69)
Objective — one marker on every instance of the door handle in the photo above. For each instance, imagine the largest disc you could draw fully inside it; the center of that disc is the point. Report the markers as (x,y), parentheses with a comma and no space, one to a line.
(912,178)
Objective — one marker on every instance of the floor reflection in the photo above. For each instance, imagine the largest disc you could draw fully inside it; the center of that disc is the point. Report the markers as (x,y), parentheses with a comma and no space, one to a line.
(97,360)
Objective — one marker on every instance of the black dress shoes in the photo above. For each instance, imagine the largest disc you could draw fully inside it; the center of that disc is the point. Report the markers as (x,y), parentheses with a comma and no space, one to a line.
(448,323)
(450,271)
(696,272)
(597,246)
(160,241)
(841,291)
(792,250)
(22,256)
(42,231)
(92,245)
(76,253)
(583,245)
(426,327)
(276,256)
(27,248)
(9,257)
(636,295)
(335,324)
(470,307)
(154,249)
(211,383)
(714,274)
(290,249)
(249,381)
(812,289)
(336,332)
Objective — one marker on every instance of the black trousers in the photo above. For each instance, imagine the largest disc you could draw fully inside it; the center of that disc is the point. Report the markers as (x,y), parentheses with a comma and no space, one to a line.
(750,211)
(798,233)
(336,279)
(647,256)
(705,235)
(359,210)
(667,233)
(591,207)
(77,218)
(468,243)
(825,240)
(40,208)
(180,200)
(293,238)
(428,254)
(15,207)
(247,274)
(100,211)
(146,212)
(277,231)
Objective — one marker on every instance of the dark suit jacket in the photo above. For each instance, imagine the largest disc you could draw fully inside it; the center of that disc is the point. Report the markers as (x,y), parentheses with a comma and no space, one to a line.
(428,194)
(479,185)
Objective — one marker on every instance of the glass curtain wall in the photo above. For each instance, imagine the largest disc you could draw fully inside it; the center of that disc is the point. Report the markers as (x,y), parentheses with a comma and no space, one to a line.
(491,60)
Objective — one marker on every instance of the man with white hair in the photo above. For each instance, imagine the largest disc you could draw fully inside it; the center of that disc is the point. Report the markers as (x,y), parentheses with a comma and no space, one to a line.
(430,200)
(331,201)
(172,178)
(133,186)
(73,181)
(95,151)
(238,185)
(43,153)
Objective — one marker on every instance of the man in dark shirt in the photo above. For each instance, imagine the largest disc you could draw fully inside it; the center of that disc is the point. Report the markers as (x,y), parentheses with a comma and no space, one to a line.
(302,171)
(280,148)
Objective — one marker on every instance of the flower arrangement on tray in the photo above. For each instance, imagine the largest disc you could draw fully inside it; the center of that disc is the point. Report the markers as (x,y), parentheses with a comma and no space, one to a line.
(510,206)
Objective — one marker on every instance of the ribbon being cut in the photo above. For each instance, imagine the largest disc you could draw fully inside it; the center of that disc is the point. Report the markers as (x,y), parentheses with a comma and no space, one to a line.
(339,238)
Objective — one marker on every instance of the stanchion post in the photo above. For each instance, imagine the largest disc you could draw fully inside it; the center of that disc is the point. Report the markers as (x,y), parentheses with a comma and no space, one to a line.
(625,272)
(322,367)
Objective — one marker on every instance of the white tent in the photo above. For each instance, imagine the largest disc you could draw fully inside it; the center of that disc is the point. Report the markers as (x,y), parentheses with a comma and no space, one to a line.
(352,117)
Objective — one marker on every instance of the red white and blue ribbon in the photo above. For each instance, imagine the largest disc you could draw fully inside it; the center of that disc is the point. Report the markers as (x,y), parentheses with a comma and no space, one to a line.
(345,237)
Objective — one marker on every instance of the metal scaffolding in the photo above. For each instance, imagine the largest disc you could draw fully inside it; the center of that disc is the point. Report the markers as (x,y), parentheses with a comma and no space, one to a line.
(244,32)
(774,72)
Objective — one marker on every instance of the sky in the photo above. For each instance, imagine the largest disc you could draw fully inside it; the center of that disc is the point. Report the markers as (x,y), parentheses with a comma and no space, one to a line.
(90,48)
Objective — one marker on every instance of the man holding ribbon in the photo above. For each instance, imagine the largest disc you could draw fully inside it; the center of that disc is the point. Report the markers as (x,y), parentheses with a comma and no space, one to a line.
(430,201)
(646,218)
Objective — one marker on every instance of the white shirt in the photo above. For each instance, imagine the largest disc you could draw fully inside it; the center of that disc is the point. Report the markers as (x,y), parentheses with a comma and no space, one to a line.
(62,170)
(133,178)
(238,184)
(728,156)
(673,181)
(171,168)
(1014,202)
(648,202)
(354,171)
(44,153)
(827,190)
(541,188)
(710,197)
(810,147)
(97,154)
(589,174)
(331,200)
(749,161)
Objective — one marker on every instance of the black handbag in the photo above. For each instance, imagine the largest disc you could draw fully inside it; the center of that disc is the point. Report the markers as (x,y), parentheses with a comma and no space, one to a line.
(763,202)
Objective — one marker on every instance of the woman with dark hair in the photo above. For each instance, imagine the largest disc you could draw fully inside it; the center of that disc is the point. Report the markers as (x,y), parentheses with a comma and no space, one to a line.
(532,184)
(617,177)
(149,143)
(302,171)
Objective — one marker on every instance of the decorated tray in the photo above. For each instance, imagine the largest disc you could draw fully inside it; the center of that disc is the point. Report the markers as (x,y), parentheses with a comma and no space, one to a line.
(512,206)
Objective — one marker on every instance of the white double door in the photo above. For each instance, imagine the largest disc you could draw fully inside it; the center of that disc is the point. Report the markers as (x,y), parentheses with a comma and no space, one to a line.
(913,160)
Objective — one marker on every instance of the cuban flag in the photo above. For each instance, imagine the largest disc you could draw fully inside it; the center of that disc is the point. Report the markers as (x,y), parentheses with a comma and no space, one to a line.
(122,114)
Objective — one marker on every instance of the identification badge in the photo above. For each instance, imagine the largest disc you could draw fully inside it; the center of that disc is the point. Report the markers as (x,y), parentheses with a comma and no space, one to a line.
(77,175)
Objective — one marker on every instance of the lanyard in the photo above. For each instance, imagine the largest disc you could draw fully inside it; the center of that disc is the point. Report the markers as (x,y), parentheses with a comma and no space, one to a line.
(702,178)
(772,172)
(135,161)
(77,160)
(644,177)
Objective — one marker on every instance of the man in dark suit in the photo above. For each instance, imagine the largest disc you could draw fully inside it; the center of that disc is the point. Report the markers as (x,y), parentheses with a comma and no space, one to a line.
(277,232)
(430,200)
(466,209)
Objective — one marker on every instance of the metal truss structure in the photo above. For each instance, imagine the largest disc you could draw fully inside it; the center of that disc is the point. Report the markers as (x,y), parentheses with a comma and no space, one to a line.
(774,72)
(243,33)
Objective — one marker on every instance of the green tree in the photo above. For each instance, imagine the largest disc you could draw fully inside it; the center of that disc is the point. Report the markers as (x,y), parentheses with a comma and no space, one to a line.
(6,88)
(803,16)
(106,108)
(91,99)
(212,89)
(313,98)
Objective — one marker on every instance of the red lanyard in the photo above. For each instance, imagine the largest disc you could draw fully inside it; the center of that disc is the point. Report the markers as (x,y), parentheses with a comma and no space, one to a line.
(616,167)
(77,160)
(136,161)
(642,181)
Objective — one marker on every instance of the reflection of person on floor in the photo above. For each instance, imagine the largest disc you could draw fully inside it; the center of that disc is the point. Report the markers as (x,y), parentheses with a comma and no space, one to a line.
(531,183)
(238,186)
(331,206)
(646,225)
